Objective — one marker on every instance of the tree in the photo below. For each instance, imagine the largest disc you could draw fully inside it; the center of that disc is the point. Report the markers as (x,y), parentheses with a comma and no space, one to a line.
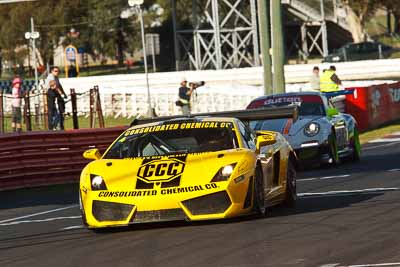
(358,13)
(392,7)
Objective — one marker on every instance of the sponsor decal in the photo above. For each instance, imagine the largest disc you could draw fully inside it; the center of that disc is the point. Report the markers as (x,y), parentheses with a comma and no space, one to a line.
(376,102)
(180,126)
(166,171)
(161,170)
(395,94)
(281,100)
(153,192)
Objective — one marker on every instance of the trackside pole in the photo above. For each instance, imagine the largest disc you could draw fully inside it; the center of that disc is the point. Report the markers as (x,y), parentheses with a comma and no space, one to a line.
(75,120)
(1,113)
(99,110)
(28,121)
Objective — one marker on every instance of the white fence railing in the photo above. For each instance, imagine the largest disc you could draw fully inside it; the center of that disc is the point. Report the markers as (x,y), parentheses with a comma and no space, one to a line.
(126,95)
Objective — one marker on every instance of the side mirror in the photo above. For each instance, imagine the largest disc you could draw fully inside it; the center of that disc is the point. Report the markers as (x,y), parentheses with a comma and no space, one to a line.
(93,154)
(265,138)
(332,112)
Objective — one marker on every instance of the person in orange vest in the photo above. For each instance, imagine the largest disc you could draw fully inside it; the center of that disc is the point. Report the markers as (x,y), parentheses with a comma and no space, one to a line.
(329,81)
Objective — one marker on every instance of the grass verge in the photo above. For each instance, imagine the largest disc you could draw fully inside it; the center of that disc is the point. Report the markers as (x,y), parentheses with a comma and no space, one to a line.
(380,132)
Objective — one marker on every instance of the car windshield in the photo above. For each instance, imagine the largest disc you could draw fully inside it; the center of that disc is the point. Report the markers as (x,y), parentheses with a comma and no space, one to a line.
(276,125)
(178,139)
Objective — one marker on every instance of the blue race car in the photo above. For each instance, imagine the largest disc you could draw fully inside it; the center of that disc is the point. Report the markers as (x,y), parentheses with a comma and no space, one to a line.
(321,134)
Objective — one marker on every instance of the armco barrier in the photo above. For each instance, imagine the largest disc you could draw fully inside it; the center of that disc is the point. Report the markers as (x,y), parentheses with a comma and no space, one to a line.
(374,105)
(46,158)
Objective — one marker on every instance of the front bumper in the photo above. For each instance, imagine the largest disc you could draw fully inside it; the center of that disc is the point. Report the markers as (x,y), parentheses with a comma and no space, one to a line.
(317,154)
(214,201)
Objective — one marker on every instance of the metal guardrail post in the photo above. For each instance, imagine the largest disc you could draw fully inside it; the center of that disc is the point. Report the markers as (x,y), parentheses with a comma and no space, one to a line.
(27,112)
(99,110)
(1,112)
(75,120)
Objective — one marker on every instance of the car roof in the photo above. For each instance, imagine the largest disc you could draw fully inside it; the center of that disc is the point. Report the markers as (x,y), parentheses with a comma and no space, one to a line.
(289,94)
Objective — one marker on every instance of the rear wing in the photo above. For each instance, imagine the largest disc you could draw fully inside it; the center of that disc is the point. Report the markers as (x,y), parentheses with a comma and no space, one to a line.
(339,93)
(268,113)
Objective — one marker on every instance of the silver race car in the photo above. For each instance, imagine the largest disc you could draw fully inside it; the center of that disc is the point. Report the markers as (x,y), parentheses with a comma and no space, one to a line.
(321,133)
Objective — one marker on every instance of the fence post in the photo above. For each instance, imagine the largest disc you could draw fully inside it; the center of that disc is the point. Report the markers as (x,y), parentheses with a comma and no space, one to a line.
(74,109)
(27,112)
(98,107)
(91,117)
(1,112)
(45,111)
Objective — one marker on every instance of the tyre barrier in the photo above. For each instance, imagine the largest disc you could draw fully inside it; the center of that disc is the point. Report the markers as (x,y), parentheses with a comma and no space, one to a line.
(374,105)
(46,158)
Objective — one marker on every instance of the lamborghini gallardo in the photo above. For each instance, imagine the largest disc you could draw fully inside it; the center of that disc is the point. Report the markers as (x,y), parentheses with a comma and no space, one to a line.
(187,168)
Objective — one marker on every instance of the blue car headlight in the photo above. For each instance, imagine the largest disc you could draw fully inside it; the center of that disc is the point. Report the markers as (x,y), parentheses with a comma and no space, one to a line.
(312,129)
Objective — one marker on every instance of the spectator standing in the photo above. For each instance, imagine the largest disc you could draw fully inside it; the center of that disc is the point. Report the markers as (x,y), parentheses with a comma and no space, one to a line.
(51,105)
(184,97)
(72,71)
(315,79)
(56,112)
(16,105)
(329,81)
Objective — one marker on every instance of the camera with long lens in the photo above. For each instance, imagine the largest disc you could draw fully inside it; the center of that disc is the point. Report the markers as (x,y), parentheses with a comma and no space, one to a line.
(197,84)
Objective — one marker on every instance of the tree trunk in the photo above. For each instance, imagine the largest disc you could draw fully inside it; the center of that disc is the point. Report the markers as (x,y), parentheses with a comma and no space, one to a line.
(120,44)
(355,25)
(389,21)
(396,23)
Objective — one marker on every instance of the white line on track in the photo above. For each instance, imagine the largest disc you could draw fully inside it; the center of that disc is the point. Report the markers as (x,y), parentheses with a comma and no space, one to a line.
(379,146)
(394,170)
(37,214)
(349,192)
(376,265)
(395,264)
(324,178)
(73,227)
(385,140)
(39,221)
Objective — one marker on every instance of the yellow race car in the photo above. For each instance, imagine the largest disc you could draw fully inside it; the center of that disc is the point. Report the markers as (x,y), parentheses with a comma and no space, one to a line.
(187,168)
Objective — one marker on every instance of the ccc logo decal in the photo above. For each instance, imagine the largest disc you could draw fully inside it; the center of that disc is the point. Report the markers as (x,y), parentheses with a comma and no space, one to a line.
(161,170)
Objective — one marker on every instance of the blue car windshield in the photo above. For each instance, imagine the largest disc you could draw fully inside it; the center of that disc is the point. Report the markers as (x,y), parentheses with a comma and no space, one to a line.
(311,109)
(173,141)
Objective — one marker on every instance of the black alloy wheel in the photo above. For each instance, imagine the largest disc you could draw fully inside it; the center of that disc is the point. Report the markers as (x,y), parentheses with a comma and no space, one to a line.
(258,196)
(291,185)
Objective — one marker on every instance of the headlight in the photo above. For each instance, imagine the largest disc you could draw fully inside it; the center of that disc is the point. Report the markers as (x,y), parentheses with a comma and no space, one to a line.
(97,182)
(224,173)
(312,129)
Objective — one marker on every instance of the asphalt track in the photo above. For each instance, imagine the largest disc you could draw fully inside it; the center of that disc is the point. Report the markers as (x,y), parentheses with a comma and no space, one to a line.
(346,216)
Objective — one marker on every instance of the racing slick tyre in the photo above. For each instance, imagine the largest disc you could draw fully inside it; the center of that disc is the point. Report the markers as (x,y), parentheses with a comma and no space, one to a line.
(333,150)
(258,196)
(356,146)
(82,211)
(291,185)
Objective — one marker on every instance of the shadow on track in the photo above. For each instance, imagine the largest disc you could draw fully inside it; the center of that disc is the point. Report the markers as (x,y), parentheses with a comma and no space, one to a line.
(50,195)
(368,163)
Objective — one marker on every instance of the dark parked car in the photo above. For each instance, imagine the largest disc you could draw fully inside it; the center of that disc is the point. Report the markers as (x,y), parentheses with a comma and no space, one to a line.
(359,51)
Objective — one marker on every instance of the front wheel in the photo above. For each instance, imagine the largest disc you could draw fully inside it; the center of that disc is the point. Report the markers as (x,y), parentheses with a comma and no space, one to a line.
(291,185)
(258,196)
(333,150)
(356,146)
